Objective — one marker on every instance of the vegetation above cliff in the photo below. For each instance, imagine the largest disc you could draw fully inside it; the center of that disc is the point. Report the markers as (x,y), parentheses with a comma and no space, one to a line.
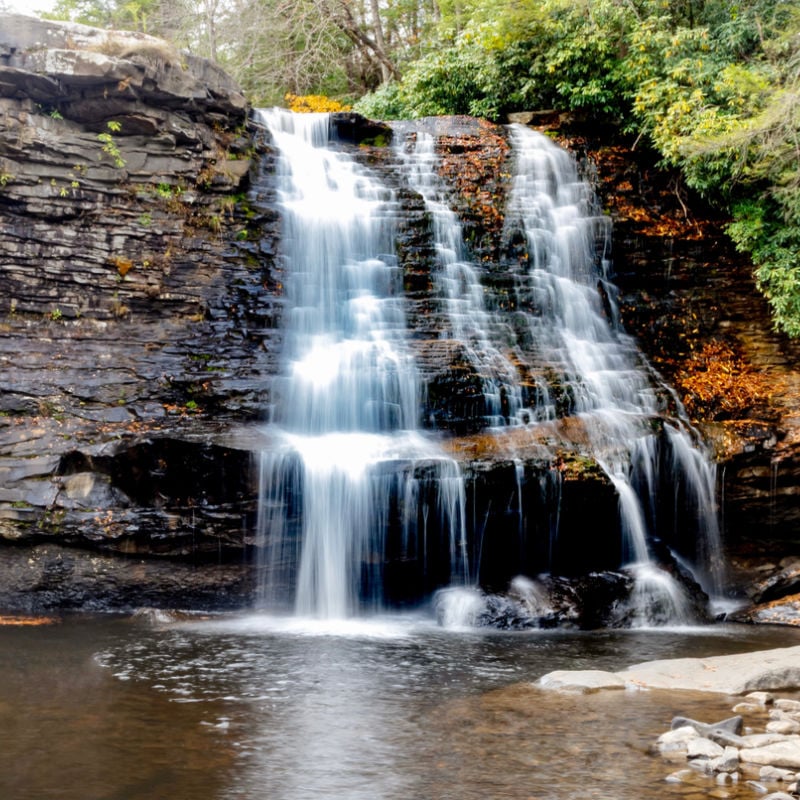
(711,84)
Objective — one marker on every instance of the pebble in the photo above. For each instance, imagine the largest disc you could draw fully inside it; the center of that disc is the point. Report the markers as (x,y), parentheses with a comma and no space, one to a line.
(788,705)
(785,726)
(760,698)
(774,774)
(703,748)
(677,739)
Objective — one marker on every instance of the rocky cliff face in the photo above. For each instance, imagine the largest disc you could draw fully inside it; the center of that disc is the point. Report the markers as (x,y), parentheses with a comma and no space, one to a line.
(140,324)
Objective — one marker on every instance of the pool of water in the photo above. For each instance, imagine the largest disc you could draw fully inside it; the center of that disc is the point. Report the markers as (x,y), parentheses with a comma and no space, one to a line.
(259,707)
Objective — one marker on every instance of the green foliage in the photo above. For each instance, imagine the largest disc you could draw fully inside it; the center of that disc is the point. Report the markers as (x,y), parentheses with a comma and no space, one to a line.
(385,102)
(712,85)
(109,143)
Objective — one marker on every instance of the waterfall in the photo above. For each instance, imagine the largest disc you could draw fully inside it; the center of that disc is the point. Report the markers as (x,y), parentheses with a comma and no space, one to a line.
(470,322)
(356,502)
(563,282)
(574,326)
(345,434)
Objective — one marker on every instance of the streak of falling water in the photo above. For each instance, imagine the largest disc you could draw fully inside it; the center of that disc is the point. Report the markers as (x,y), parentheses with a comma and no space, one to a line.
(574,326)
(348,402)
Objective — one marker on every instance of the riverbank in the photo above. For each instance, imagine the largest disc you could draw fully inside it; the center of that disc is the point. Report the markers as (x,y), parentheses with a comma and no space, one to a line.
(765,670)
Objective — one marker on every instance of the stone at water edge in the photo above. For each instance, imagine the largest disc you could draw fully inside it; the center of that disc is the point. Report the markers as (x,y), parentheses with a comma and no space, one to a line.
(775,774)
(703,748)
(732,725)
(728,762)
(780,754)
(581,681)
(677,739)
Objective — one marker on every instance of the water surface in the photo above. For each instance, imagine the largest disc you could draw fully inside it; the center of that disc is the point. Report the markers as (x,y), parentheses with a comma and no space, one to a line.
(254,707)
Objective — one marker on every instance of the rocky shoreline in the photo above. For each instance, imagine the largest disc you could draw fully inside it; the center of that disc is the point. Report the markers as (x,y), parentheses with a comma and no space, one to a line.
(757,751)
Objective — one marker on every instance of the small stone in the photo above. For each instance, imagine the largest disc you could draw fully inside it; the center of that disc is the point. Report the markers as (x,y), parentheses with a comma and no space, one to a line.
(760,698)
(757,787)
(775,774)
(681,776)
(779,796)
(724,778)
(676,739)
(787,705)
(783,726)
(703,748)
(727,762)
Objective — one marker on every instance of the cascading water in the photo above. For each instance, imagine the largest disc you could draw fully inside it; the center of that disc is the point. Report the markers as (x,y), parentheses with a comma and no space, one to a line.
(345,422)
(563,283)
(350,484)
(470,322)
(573,324)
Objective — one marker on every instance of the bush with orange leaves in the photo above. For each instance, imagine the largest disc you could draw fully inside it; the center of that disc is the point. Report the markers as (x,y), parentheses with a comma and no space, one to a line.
(716,384)
(311,103)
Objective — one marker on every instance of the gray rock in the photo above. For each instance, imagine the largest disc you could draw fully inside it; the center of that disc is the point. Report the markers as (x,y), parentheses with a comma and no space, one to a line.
(775,774)
(703,748)
(729,725)
(768,670)
(581,681)
(780,754)
(727,762)
(677,739)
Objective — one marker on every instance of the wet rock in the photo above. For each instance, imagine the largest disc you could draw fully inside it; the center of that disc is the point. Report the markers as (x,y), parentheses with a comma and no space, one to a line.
(703,748)
(677,739)
(785,611)
(780,754)
(583,682)
(46,577)
(774,774)
(784,583)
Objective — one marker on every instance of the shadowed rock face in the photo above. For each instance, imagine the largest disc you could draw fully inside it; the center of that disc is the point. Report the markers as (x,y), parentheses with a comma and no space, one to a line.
(140,328)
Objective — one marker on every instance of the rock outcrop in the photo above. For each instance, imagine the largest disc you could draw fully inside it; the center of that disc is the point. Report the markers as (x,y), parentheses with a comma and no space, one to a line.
(140,325)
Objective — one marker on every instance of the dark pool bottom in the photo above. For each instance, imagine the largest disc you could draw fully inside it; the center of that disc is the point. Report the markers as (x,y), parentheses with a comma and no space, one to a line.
(253,707)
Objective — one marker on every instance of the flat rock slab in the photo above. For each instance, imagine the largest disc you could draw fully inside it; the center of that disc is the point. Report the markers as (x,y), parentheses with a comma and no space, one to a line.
(765,670)
(581,681)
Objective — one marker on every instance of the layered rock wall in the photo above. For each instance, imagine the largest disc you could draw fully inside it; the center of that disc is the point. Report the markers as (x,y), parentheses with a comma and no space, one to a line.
(140,325)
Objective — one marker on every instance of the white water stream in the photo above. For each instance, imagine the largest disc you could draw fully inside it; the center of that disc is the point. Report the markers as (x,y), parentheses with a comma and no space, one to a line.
(348,402)
(349,399)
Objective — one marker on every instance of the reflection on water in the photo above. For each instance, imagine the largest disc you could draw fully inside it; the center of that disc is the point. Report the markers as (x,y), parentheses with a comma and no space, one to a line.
(256,708)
